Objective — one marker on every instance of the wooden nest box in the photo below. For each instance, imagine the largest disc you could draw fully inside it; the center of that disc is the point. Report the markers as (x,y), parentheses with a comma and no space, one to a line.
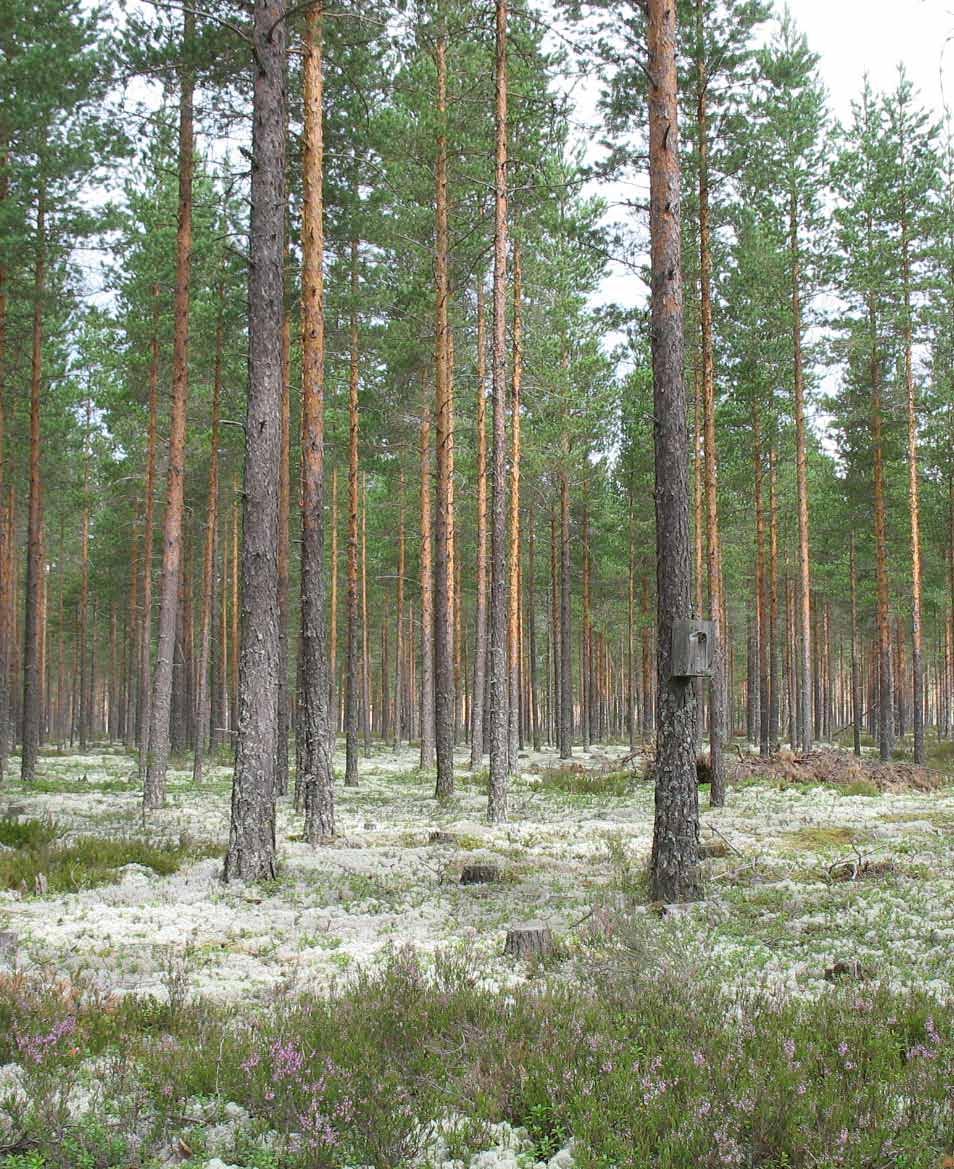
(693,648)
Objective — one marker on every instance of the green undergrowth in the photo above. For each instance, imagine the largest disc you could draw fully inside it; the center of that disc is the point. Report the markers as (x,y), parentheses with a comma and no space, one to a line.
(49,782)
(640,1069)
(29,834)
(812,838)
(574,780)
(37,861)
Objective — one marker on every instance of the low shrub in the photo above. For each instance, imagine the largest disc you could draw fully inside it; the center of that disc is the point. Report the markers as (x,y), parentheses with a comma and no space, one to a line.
(40,862)
(640,1068)
(578,781)
(17,833)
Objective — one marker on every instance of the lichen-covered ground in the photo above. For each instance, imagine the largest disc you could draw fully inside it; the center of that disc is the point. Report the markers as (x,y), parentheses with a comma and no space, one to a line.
(773,914)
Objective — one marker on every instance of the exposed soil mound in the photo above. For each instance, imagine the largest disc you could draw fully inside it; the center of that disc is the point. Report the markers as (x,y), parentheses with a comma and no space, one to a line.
(840,768)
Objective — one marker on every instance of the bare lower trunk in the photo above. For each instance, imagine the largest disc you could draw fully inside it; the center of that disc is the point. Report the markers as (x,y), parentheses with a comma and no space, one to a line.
(775,666)
(513,631)
(251,854)
(717,714)
(85,711)
(499,679)
(6,592)
(32,675)
(674,867)
(154,790)
(365,622)
(399,626)
(566,632)
(427,601)
(480,616)
(586,635)
(532,633)
(283,697)
(555,639)
(317,780)
(914,503)
(885,680)
(806,733)
(203,705)
(352,679)
(761,590)
(444,694)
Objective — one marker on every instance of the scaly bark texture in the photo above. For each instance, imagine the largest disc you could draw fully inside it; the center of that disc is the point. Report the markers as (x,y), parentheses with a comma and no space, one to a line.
(427,601)
(513,625)
(352,679)
(32,673)
(444,691)
(399,624)
(157,756)
(333,719)
(145,627)
(283,697)
(499,676)
(914,492)
(775,657)
(251,854)
(674,867)
(6,591)
(761,585)
(477,711)
(83,631)
(203,702)
(566,629)
(806,732)
(717,710)
(317,781)
(885,673)
(532,633)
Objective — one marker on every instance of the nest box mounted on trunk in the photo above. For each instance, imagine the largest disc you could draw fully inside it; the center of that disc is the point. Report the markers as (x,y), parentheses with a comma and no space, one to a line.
(693,648)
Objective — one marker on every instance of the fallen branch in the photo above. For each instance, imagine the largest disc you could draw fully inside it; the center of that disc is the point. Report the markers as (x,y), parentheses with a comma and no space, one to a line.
(724,838)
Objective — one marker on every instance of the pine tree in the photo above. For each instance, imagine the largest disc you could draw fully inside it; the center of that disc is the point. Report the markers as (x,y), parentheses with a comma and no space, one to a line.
(251,853)
(674,865)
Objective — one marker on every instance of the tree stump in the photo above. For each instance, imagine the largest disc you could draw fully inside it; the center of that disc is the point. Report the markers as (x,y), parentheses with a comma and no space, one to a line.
(710,849)
(851,969)
(438,837)
(8,947)
(479,874)
(533,939)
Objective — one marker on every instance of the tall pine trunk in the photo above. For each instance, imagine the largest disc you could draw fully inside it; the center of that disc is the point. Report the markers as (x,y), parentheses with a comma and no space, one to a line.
(566,631)
(316,727)
(427,600)
(32,676)
(6,591)
(399,624)
(761,588)
(914,496)
(251,853)
(83,631)
(805,730)
(444,691)
(717,713)
(203,703)
(352,678)
(513,628)
(477,711)
(145,625)
(154,790)
(674,867)
(499,676)
(775,660)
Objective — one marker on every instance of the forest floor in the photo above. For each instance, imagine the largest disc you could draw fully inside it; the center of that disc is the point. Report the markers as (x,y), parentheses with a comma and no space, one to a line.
(812,876)
(811,889)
